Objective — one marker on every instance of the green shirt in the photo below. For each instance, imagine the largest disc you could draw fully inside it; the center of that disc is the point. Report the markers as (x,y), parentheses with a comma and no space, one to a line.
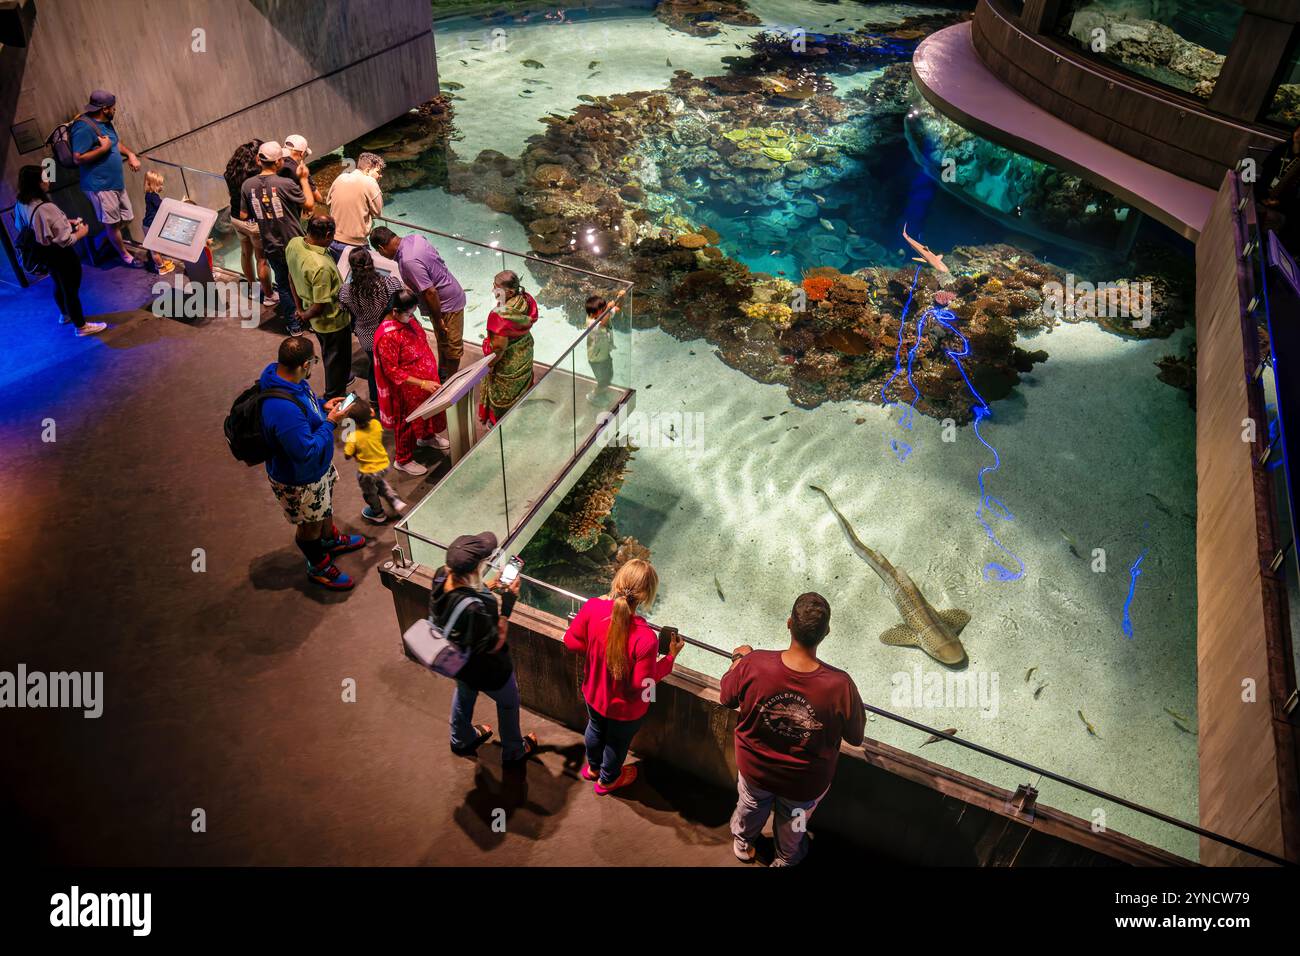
(316,279)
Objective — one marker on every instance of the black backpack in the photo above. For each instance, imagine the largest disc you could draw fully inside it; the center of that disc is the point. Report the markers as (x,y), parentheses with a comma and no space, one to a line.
(31,254)
(60,142)
(243,425)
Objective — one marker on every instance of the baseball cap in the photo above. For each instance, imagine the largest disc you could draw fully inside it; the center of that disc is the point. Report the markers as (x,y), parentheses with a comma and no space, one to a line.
(297,142)
(270,152)
(100,100)
(470,550)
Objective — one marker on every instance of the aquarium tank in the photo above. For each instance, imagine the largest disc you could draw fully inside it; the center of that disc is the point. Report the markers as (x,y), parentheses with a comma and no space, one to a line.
(874,354)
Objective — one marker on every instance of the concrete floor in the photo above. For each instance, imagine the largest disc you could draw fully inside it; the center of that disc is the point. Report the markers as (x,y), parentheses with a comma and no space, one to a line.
(223,689)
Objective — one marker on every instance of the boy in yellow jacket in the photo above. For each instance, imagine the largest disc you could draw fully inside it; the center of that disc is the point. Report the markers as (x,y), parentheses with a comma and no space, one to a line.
(367,447)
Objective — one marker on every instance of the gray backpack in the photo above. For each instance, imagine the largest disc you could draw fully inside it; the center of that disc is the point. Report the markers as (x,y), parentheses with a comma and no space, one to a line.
(428,643)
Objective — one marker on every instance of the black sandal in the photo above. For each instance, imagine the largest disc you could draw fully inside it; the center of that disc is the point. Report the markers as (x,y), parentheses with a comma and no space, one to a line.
(531,746)
(484,733)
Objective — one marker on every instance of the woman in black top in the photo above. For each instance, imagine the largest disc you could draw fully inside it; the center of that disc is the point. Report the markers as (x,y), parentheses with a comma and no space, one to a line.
(480,629)
(366,296)
(242,165)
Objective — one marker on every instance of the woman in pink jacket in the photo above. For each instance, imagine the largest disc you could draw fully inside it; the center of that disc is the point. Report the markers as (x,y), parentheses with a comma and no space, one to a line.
(622,667)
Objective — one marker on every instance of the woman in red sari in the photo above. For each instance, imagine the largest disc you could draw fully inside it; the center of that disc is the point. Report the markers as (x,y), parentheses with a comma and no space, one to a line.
(406,374)
(509,335)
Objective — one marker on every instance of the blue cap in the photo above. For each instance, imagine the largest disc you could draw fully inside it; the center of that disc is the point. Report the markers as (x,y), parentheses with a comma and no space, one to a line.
(100,100)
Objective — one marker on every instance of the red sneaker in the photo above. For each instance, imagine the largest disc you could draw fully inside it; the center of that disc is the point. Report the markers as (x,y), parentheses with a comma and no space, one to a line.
(329,576)
(626,777)
(343,544)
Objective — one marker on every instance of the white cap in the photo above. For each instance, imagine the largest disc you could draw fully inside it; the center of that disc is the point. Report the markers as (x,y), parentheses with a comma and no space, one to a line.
(297,142)
(270,152)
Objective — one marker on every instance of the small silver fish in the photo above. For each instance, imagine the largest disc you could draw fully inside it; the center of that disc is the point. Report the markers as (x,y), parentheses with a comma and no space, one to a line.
(826,225)
(819,198)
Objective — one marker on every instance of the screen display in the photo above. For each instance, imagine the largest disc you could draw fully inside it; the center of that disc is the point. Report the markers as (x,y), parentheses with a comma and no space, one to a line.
(179,229)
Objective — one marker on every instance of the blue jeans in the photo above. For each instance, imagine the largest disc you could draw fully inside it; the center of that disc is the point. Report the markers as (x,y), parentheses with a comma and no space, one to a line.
(754,805)
(607,742)
(280,274)
(507,700)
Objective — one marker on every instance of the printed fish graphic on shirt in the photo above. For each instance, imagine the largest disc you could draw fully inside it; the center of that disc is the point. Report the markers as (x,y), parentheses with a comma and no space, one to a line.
(935,632)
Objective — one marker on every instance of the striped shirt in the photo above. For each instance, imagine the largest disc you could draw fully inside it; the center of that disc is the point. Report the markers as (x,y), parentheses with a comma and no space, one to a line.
(368,313)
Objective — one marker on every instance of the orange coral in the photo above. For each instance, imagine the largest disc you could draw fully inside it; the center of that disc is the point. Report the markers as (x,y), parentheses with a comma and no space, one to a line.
(817,287)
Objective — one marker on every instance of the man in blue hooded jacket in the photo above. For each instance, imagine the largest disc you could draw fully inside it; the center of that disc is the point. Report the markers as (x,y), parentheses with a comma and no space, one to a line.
(301,469)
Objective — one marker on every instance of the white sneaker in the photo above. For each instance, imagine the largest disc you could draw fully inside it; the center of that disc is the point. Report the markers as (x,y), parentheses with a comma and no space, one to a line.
(440,442)
(92,328)
(743,851)
(411,467)
(399,506)
(272,299)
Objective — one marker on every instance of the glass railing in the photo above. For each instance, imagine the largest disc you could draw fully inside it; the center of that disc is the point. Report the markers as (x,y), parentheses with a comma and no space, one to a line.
(1181,44)
(582,376)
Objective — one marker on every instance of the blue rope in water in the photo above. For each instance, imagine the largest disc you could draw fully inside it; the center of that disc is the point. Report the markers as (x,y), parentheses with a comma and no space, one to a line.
(1127,624)
(987,503)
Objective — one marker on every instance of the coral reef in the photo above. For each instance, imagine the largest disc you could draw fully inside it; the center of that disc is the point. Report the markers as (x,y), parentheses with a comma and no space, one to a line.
(578,547)
(413,147)
(702,18)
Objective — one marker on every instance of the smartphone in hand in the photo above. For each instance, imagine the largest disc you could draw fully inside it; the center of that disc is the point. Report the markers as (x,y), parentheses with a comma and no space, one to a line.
(667,634)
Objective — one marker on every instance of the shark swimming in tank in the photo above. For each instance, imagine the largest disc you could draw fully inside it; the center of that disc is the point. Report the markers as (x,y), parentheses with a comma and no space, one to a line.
(935,632)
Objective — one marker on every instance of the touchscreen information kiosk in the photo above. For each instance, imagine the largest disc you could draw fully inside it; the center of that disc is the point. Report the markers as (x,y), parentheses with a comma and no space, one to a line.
(180,231)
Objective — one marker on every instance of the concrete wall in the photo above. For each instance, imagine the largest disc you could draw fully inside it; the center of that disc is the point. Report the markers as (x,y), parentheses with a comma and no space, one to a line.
(328,69)
(1248,784)
(893,803)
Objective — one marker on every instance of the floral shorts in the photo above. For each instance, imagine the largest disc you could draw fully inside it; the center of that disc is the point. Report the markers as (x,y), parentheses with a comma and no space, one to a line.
(304,504)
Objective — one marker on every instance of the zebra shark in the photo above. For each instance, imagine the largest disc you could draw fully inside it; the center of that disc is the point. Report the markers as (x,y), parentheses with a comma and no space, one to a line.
(935,632)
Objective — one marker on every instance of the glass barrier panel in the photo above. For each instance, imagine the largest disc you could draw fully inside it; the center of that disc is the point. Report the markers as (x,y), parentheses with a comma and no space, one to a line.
(1180,44)
(469,500)
(539,432)
(421,552)
(543,598)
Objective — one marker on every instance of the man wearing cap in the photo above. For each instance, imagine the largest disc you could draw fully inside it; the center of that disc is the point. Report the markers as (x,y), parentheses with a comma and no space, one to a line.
(276,203)
(481,630)
(442,299)
(294,163)
(98,154)
(317,280)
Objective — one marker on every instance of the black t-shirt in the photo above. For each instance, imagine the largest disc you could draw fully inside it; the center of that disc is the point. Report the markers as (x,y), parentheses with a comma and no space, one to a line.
(275,204)
(476,631)
(289,170)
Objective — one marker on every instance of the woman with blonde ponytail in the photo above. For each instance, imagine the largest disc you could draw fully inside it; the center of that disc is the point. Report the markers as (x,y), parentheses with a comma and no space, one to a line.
(622,667)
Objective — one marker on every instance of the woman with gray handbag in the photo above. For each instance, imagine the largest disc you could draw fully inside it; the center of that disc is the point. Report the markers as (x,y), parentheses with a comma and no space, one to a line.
(467,615)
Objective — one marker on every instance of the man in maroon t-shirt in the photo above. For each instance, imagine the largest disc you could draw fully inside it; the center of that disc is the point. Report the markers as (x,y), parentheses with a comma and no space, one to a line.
(794,711)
